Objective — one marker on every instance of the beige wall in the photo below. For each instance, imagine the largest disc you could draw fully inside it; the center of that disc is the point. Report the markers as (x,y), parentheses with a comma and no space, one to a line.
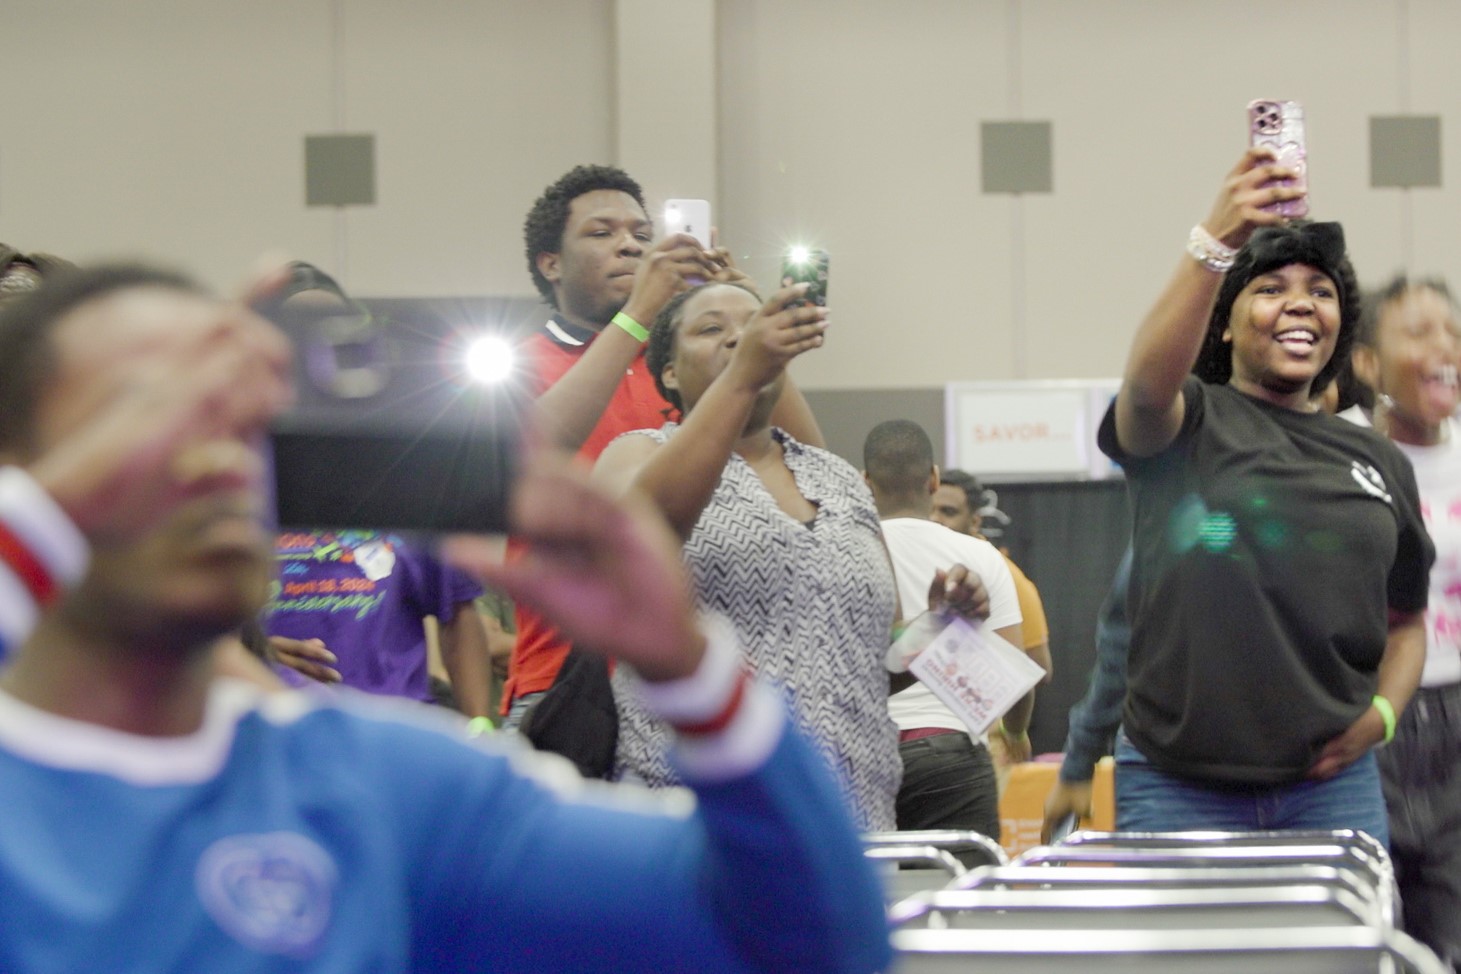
(174,128)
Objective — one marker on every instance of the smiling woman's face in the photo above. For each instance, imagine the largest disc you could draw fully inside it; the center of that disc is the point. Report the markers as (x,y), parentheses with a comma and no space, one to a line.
(1416,355)
(1283,328)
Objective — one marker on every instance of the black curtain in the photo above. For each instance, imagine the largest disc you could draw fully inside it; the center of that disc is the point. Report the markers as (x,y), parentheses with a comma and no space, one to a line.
(1069,538)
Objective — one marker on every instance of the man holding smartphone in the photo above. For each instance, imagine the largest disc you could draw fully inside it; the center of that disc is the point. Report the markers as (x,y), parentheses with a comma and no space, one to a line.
(588,242)
(589,247)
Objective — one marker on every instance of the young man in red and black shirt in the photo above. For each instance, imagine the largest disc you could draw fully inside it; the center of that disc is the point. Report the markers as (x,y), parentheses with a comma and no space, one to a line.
(589,247)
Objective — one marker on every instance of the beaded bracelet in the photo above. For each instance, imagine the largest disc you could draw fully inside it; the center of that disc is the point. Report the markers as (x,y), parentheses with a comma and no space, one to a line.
(1209,251)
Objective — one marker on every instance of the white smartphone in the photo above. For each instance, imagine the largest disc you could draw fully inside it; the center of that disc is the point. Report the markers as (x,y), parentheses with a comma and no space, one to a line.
(689,216)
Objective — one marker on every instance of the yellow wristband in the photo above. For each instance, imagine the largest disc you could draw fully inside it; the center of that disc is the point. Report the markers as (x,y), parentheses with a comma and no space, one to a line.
(633,327)
(1387,714)
(478,726)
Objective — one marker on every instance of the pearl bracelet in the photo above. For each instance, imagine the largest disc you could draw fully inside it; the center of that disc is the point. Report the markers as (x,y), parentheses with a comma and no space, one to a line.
(1209,251)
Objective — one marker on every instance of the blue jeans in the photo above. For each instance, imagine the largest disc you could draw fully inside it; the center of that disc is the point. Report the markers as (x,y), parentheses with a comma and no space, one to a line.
(1150,800)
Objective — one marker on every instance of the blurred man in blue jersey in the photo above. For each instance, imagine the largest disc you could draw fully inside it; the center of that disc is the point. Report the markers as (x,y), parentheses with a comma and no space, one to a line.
(159,818)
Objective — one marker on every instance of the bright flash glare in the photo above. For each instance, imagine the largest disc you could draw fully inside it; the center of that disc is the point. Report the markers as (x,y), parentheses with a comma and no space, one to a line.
(489,359)
(800,254)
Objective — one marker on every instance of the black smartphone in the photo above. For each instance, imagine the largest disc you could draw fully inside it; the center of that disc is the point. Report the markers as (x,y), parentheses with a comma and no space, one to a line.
(1063,829)
(390,429)
(803,264)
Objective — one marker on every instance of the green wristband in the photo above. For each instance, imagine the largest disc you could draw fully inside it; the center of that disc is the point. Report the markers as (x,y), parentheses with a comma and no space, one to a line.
(633,327)
(478,726)
(1005,731)
(1387,714)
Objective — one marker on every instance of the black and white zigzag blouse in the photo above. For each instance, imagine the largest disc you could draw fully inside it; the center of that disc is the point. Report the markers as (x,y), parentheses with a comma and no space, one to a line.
(812,605)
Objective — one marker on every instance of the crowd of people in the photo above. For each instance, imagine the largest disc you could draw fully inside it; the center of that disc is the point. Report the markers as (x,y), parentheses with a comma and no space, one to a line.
(709,605)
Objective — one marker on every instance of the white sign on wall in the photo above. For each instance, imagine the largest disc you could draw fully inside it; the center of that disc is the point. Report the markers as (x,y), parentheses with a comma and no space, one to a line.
(1026,430)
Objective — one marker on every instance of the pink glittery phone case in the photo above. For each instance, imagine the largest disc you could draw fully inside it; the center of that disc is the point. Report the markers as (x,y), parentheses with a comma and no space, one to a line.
(1280,126)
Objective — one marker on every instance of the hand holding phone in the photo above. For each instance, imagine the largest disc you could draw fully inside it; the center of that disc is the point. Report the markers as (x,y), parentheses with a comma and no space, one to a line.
(786,326)
(805,265)
(691,217)
(673,264)
(1279,125)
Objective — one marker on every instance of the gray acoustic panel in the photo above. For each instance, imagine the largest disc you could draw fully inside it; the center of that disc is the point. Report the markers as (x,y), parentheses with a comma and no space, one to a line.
(339,170)
(1405,151)
(848,415)
(1016,157)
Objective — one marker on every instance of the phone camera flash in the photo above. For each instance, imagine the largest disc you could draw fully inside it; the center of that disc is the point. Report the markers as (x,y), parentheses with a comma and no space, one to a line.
(489,360)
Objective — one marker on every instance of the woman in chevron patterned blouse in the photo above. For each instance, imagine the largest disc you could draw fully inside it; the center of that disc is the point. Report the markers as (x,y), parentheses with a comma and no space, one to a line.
(782,538)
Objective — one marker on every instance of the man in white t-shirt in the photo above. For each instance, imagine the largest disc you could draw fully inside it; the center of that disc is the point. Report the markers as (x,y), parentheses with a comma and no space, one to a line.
(948,777)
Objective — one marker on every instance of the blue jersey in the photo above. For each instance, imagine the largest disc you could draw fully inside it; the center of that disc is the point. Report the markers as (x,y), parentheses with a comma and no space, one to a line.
(292,835)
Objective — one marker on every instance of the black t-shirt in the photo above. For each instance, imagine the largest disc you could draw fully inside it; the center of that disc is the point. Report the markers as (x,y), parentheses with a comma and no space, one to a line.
(1270,545)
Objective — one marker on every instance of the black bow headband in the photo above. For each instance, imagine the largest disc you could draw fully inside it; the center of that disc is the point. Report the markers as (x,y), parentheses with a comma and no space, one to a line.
(1319,245)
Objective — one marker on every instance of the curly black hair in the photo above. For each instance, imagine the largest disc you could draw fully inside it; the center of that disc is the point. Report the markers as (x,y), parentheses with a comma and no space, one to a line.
(546,221)
(1317,245)
(661,346)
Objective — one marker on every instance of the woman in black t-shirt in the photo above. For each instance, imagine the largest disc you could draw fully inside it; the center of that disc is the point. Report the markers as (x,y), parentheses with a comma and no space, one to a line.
(1281,562)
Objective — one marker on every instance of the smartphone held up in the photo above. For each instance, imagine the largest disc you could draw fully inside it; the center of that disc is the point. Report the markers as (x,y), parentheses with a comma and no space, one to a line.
(689,217)
(804,265)
(1279,125)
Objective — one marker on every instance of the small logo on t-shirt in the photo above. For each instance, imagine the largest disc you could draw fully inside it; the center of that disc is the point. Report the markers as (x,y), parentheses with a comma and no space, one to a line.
(1369,478)
(271,892)
(376,559)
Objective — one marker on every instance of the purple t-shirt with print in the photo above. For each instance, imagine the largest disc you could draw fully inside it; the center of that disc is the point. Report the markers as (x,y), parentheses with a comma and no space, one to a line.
(364,595)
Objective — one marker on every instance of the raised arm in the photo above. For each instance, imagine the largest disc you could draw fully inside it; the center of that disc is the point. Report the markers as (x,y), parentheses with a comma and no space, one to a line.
(569,410)
(1149,407)
(792,413)
(681,475)
(767,874)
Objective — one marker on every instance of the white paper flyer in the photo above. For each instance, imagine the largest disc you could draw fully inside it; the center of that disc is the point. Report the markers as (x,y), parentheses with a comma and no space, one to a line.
(978,675)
